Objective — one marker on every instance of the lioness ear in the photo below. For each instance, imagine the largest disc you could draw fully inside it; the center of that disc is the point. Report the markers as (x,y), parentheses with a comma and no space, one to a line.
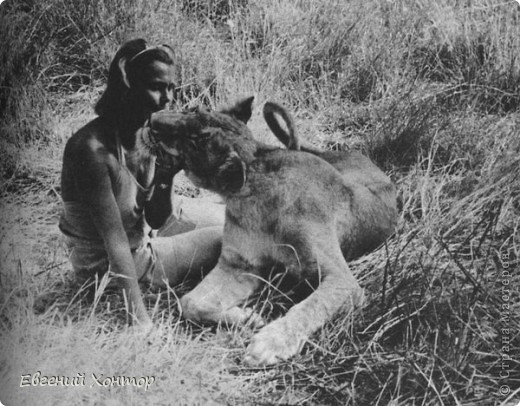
(242,111)
(231,174)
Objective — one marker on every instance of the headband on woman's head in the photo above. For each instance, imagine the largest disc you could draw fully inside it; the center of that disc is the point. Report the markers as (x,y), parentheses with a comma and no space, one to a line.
(162,47)
(124,60)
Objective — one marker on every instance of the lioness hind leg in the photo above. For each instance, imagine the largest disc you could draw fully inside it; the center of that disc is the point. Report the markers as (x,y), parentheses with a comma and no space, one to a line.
(218,298)
(284,337)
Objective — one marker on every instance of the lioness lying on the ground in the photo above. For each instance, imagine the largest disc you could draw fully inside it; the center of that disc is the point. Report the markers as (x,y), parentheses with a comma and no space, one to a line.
(306,212)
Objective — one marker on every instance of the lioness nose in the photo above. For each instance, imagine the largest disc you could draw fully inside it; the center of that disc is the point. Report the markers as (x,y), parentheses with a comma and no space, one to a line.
(168,123)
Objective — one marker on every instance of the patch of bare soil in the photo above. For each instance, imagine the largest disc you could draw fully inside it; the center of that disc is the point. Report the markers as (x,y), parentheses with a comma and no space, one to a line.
(30,241)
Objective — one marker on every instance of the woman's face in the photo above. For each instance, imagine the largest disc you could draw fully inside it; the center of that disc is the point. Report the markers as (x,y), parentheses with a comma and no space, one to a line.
(155,91)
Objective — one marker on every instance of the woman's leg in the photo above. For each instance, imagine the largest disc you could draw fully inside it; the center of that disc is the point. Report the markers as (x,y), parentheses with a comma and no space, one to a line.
(187,245)
(193,213)
(175,258)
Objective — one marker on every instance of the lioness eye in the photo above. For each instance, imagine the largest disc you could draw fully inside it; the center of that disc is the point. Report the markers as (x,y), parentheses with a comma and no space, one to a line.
(204,135)
(192,143)
(201,139)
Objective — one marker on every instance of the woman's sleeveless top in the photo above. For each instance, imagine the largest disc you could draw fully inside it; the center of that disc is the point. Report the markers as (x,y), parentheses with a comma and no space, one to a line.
(88,255)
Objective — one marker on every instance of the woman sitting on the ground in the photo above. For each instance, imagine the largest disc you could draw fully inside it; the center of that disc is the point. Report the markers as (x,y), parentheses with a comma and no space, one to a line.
(115,191)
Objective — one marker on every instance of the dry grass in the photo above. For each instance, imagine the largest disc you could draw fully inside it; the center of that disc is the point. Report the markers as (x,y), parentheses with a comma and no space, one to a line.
(428,90)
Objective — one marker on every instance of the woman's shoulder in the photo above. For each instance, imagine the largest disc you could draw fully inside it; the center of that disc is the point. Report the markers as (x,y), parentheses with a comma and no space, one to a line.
(93,136)
(92,143)
(89,153)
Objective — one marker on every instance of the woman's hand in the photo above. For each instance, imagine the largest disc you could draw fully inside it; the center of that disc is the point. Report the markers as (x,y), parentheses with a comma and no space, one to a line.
(166,166)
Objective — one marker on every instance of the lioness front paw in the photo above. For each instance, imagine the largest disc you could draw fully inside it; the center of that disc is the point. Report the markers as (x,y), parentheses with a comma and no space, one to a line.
(243,315)
(273,344)
(201,311)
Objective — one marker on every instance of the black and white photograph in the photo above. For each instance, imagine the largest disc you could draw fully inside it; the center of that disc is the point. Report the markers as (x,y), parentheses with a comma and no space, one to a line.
(246,202)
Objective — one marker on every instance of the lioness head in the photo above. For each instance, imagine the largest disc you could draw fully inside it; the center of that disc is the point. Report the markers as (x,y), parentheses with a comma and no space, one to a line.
(214,147)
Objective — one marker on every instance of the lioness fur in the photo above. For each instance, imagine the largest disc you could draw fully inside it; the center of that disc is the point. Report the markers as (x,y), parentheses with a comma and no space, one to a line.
(308,212)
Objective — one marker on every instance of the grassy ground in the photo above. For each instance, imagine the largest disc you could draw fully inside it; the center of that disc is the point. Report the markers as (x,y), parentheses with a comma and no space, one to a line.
(430,91)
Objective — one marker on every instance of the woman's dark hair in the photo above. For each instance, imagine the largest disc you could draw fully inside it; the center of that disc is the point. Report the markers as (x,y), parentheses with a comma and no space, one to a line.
(126,70)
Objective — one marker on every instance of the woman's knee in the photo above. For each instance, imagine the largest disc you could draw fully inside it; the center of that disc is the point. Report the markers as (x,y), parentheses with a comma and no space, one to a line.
(203,212)
(184,255)
(206,243)
(191,214)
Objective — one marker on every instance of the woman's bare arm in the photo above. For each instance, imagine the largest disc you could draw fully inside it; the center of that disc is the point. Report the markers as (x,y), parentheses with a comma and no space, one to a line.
(94,186)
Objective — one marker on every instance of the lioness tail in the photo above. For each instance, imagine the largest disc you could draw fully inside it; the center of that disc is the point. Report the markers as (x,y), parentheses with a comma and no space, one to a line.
(289,138)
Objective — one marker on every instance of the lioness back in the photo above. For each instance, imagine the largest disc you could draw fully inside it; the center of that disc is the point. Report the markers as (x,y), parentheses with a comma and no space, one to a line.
(375,212)
(288,189)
